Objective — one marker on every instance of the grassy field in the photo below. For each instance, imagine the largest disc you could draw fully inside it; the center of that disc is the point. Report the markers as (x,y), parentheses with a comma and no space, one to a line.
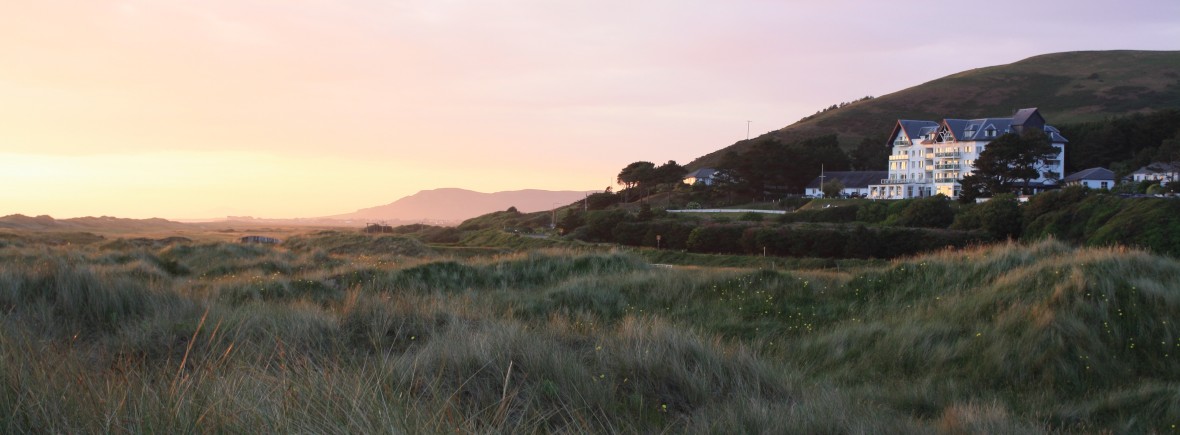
(335,332)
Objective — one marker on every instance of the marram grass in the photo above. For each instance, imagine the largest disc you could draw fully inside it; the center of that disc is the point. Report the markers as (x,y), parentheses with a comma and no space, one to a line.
(334,336)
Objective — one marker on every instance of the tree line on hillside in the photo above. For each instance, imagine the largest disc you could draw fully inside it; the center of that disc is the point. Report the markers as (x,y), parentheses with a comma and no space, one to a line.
(1123,144)
(769,169)
(643,176)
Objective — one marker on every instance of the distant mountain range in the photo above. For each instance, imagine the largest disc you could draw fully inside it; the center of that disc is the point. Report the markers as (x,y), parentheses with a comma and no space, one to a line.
(44,223)
(1067,88)
(436,206)
(451,205)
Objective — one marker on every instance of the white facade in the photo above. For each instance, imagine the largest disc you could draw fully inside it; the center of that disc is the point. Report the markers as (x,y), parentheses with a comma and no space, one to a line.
(815,192)
(1093,178)
(855,183)
(929,158)
(1162,172)
(1096,184)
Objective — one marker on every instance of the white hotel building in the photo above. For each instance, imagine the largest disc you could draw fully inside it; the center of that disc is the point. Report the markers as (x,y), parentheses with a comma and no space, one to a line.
(929,158)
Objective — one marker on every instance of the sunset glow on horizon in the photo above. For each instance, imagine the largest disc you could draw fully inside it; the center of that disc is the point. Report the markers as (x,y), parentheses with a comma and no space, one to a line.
(283,109)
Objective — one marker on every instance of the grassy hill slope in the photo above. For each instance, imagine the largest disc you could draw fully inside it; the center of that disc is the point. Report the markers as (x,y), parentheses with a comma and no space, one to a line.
(1067,88)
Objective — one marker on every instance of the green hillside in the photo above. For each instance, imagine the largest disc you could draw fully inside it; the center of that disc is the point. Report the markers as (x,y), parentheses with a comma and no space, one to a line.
(1067,88)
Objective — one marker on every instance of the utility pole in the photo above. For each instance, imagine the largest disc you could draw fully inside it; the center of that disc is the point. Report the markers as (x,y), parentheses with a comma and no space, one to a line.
(748,129)
(821,179)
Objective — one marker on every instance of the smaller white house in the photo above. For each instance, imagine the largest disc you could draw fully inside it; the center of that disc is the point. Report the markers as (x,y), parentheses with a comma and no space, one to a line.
(1094,178)
(1158,171)
(856,183)
(703,176)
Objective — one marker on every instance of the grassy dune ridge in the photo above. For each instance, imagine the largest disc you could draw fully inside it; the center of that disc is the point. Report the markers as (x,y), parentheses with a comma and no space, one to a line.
(335,333)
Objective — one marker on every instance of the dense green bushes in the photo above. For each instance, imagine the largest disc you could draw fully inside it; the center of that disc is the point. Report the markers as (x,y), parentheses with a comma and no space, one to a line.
(1100,219)
(825,241)
(839,229)
(999,217)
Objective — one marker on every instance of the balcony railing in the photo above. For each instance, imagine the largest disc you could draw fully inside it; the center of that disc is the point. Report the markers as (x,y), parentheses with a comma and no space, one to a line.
(947,154)
(897,181)
(899,157)
(945,180)
(947,166)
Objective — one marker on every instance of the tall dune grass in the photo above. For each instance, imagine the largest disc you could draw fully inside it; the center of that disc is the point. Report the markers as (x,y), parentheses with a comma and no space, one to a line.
(206,337)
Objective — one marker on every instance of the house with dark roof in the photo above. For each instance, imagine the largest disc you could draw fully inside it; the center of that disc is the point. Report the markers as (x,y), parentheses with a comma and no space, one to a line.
(1159,171)
(929,158)
(703,176)
(856,183)
(1094,178)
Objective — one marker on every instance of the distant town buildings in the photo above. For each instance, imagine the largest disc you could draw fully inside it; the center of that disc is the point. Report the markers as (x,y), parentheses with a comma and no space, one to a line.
(930,158)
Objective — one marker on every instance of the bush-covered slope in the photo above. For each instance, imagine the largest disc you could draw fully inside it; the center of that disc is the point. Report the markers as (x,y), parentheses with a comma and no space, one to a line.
(1067,87)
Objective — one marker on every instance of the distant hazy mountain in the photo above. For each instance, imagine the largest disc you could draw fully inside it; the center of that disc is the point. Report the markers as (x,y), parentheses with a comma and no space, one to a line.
(454,205)
(43,223)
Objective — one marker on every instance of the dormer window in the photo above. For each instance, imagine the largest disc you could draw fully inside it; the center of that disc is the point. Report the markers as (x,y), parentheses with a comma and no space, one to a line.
(990,132)
(970,132)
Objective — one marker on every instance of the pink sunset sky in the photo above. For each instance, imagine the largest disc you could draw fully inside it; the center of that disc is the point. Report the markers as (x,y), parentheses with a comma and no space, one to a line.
(200,109)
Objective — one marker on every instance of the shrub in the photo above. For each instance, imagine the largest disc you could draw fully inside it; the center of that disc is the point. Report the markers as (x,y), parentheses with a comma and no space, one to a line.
(872,212)
(716,238)
(602,200)
(630,233)
(930,212)
(673,234)
(1000,217)
(751,216)
(600,225)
